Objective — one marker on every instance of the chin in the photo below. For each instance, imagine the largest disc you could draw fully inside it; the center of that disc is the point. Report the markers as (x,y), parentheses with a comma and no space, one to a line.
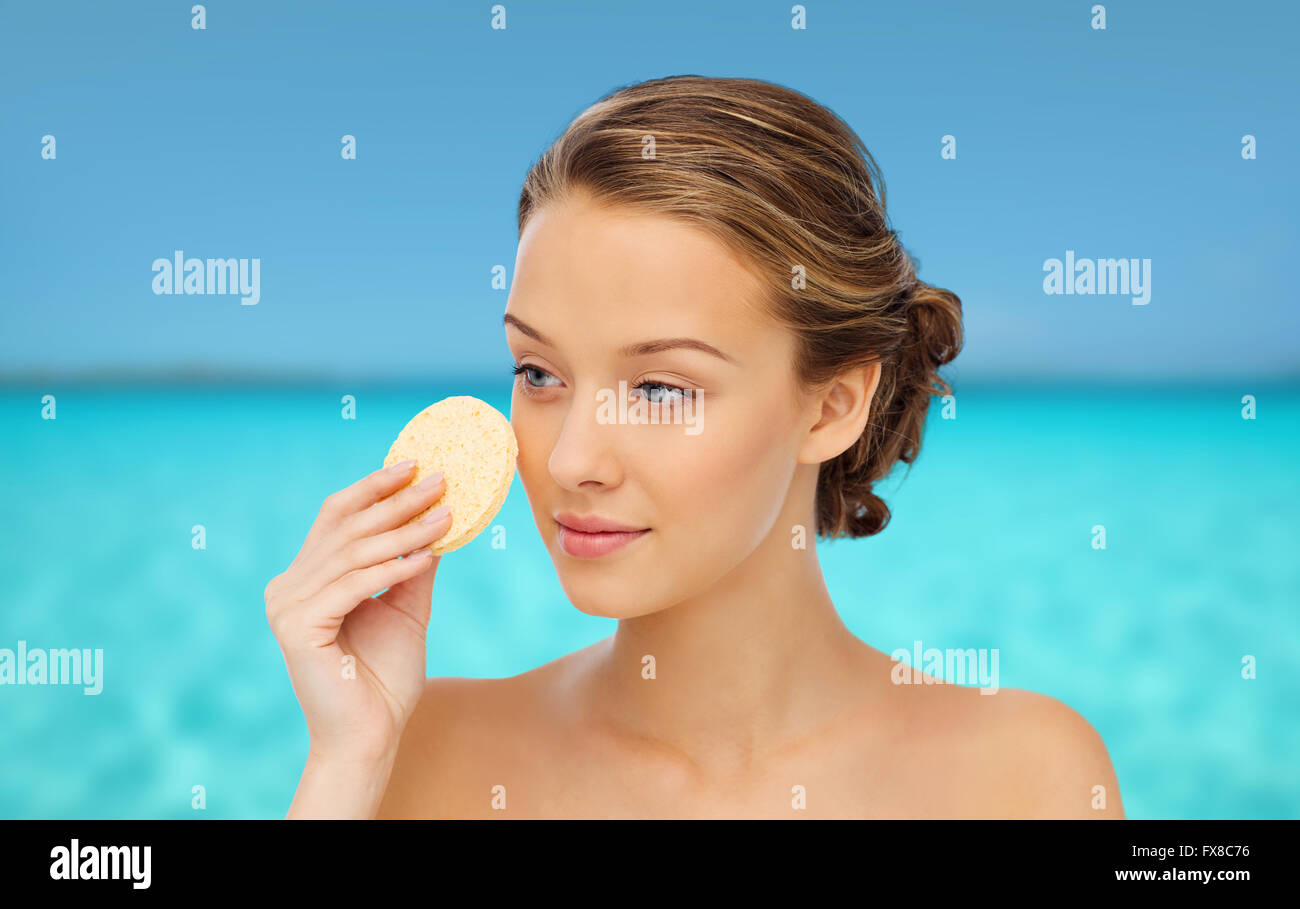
(612,596)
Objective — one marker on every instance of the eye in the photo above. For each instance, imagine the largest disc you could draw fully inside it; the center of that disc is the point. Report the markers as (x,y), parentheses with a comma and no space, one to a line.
(669,394)
(655,392)
(528,384)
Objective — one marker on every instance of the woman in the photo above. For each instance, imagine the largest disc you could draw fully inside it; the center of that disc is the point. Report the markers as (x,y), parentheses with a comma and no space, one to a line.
(713,249)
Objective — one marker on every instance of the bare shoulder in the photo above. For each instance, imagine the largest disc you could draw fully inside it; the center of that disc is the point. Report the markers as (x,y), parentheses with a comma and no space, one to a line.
(1049,762)
(466,738)
(432,735)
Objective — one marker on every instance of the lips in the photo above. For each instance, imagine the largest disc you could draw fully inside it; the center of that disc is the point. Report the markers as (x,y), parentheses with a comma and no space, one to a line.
(594,523)
(593,536)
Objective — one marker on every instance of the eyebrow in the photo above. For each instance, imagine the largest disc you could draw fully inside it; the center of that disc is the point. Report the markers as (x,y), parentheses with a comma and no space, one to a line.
(632,350)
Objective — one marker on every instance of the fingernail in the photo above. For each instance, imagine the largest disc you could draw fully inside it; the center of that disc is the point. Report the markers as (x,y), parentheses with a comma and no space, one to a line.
(402,466)
(437,515)
(429,482)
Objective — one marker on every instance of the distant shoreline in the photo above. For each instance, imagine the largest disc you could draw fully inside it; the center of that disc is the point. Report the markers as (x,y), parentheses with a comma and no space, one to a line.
(185,378)
(199,378)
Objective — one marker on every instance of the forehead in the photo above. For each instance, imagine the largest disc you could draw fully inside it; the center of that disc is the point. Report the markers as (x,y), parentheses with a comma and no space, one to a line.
(630,275)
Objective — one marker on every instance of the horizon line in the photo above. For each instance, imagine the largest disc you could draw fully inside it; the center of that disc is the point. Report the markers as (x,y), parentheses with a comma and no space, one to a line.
(203,375)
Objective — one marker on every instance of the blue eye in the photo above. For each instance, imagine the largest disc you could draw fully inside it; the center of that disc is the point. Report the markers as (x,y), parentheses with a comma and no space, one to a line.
(528,382)
(674,394)
(666,394)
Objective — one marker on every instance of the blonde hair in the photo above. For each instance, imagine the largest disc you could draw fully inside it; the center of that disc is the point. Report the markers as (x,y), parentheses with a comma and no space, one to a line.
(782,182)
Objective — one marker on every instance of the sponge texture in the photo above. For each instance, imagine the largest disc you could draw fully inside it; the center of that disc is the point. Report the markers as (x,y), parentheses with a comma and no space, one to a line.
(474,446)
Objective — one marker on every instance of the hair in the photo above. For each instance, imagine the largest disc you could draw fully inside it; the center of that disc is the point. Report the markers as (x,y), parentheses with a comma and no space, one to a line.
(782,182)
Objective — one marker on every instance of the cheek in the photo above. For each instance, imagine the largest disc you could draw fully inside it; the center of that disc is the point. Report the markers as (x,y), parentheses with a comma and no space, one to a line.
(723,488)
(533,435)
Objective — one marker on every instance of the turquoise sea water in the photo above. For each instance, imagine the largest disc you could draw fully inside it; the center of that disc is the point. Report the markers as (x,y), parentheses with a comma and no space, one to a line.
(990,547)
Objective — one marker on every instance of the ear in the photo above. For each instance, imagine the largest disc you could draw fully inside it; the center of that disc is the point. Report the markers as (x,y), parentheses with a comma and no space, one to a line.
(839,413)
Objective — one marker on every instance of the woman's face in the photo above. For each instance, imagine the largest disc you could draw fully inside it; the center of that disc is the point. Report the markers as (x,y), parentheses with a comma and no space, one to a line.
(590,283)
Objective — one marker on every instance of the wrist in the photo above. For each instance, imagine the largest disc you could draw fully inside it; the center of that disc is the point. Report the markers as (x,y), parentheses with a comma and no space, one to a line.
(337,787)
(358,758)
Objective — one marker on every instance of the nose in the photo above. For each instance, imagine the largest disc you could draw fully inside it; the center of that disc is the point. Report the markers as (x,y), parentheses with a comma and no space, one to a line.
(586,450)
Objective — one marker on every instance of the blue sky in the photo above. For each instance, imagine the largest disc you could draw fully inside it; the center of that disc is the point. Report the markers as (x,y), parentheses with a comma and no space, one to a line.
(225,143)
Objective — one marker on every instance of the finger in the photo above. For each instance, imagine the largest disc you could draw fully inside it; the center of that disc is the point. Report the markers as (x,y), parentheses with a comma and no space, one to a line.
(324,568)
(305,624)
(360,495)
(393,511)
(414,596)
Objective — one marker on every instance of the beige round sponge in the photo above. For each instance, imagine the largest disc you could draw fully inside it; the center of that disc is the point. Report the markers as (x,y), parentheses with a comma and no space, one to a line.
(475,448)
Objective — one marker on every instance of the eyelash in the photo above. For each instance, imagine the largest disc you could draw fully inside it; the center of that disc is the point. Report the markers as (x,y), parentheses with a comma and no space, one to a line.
(681,394)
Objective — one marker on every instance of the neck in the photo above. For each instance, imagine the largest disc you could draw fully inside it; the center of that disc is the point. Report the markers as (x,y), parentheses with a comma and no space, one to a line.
(741,671)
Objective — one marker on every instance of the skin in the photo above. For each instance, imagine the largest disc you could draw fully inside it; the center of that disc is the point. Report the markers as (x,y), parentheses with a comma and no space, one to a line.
(759,686)
(761,696)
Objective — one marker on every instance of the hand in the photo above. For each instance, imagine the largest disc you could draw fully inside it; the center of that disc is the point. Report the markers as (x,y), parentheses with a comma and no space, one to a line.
(322,612)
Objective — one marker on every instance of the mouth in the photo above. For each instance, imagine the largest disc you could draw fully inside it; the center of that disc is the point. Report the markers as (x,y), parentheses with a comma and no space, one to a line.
(587,544)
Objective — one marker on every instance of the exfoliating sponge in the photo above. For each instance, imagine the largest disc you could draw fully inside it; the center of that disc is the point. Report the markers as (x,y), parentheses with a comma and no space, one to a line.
(475,448)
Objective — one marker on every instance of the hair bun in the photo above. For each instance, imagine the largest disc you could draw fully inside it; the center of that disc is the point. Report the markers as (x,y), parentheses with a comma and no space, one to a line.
(934,318)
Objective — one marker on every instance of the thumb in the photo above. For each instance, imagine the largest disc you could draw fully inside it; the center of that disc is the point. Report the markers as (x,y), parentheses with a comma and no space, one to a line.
(414,596)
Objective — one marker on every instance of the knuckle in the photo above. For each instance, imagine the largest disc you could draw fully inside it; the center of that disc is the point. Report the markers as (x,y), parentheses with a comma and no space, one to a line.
(273,607)
(272,587)
(279,603)
(275,618)
(284,619)
(286,631)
